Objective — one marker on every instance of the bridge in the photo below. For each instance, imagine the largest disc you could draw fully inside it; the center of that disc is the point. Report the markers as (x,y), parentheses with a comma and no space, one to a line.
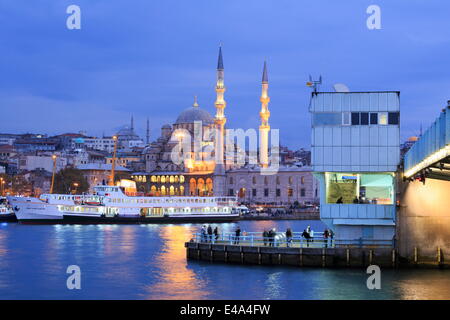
(423,224)
(429,157)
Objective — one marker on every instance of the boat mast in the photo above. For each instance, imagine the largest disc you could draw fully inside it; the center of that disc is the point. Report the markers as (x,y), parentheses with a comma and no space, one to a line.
(113,163)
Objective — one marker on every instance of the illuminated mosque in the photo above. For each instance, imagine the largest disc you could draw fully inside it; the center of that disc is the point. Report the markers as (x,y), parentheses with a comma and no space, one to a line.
(199,175)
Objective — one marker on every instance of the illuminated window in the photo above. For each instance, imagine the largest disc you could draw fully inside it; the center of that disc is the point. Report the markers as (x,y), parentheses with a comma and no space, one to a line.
(383,118)
(365,188)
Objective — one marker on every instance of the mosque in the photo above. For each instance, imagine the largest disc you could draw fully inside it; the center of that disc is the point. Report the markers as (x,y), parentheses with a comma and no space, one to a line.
(206,176)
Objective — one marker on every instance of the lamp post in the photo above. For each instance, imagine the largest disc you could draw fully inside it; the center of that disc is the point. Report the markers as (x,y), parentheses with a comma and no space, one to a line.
(53,173)
(113,163)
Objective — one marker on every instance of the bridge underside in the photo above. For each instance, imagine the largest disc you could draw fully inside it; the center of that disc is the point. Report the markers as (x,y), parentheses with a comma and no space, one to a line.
(439,170)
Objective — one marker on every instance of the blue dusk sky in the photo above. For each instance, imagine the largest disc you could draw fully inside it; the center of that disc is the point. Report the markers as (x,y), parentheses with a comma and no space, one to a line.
(148,58)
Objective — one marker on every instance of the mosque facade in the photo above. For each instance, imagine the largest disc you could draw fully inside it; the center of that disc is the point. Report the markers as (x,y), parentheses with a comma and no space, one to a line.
(204,169)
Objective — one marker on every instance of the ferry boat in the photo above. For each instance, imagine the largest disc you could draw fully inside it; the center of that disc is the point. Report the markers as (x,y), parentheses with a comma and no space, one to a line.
(110,204)
(6,212)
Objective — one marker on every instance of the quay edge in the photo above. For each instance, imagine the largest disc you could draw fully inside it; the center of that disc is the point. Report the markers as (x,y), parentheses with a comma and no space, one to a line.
(353,257)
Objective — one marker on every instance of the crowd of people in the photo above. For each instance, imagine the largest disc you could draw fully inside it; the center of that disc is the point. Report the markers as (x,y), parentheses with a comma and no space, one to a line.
(208,234)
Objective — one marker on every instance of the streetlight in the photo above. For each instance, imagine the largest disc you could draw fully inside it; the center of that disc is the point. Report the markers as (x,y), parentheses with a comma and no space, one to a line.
(53,173)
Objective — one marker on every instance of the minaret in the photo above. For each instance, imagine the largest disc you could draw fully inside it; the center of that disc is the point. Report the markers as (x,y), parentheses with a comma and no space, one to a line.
(132,123)
(264,128)
(220,120)
(195,105)
(148,132)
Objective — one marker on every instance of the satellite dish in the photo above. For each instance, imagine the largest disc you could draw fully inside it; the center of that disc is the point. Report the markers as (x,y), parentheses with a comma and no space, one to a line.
(340,87)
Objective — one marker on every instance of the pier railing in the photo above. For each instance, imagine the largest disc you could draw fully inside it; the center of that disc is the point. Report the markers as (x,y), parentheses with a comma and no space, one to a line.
(280,240)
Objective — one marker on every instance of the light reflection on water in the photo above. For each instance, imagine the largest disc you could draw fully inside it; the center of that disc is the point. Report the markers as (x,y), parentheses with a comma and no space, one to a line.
(149,262)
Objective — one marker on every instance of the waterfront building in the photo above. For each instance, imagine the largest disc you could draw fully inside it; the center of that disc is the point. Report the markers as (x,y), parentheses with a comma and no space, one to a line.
(355,154)
(42,161)
(94,143)
(292,184)
(33,144)
(7,152)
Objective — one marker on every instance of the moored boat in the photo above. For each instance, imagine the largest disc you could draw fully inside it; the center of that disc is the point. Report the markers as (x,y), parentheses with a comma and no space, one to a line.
(110,204)
(6,211)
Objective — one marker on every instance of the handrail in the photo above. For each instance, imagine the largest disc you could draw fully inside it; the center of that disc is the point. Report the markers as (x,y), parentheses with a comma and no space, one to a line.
(280,240)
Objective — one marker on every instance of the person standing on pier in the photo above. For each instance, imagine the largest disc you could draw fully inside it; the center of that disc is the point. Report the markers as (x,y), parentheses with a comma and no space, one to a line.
(203,234)
(210,233)
(216,233)
(331,235)
(237,235)
(325,238)
(288,237)
(265,237)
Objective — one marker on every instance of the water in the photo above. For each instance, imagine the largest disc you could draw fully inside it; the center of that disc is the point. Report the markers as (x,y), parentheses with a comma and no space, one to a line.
(149,262)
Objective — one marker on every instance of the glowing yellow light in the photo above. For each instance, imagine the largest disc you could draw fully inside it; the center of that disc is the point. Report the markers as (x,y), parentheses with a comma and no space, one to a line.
(433,158)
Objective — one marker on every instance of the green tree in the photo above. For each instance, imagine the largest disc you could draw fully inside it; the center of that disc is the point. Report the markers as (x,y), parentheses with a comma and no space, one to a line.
(66,179)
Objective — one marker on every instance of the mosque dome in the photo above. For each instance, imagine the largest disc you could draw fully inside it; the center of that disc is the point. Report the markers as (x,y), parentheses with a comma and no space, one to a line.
(127,133)
(195,113)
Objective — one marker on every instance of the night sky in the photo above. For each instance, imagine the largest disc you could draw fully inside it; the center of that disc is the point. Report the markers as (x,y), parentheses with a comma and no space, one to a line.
(148,58)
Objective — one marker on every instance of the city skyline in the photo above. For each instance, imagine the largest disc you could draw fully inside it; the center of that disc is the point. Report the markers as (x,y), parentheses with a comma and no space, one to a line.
(141,60)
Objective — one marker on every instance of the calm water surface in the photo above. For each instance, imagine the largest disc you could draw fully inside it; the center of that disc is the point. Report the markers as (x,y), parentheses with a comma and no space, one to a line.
(149,262)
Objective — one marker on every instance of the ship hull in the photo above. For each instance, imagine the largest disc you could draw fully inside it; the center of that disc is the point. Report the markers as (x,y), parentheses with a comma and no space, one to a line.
(129,220)
(8,217)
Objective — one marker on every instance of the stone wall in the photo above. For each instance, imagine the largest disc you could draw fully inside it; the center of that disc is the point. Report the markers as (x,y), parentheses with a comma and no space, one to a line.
(424,221)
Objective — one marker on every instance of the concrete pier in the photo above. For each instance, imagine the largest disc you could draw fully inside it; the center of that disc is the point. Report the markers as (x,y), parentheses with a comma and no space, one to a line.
(300,257)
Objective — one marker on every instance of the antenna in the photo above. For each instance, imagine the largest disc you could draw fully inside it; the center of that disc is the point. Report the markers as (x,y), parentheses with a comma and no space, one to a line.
(314,83)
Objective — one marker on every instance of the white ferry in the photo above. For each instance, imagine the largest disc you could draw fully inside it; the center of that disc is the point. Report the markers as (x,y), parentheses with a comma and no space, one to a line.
(110,204)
